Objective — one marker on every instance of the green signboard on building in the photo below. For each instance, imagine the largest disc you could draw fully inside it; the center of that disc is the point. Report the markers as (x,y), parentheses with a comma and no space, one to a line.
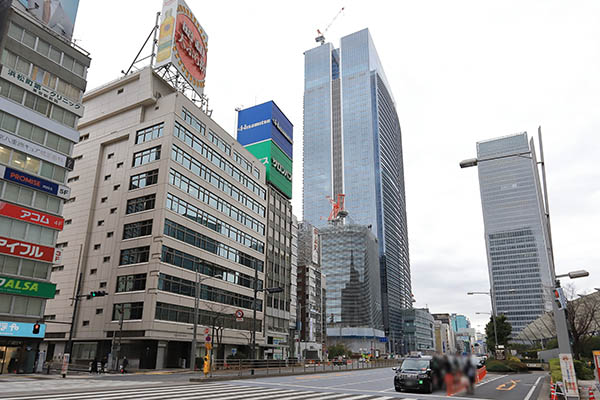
(277,163)
(26,287)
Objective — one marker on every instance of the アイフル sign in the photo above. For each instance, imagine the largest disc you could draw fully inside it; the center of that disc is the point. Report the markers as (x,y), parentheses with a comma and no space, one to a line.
(38,252)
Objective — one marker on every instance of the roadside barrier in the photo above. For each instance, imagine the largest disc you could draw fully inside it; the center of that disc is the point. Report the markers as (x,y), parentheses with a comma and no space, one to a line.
(552,390)
(481,373)
(591,391)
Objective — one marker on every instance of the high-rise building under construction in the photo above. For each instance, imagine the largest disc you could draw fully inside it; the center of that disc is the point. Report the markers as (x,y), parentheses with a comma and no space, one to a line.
(353,145)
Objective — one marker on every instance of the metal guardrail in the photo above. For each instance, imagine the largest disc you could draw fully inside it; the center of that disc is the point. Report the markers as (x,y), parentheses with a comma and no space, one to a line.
(247,367)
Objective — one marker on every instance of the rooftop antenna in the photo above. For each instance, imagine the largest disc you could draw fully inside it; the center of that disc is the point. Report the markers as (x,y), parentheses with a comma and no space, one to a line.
(321,37)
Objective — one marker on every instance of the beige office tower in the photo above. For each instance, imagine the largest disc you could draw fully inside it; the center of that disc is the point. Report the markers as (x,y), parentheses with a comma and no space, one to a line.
(162,197)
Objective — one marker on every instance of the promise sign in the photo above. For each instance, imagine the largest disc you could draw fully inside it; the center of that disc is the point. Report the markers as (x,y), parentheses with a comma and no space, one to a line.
(31,251)
(183,43)
(26,287)
(34,217)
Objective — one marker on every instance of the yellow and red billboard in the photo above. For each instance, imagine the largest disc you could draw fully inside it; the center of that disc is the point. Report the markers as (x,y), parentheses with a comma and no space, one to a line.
(182,42)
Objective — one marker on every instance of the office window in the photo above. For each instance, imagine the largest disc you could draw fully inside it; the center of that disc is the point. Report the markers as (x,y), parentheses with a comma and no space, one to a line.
(146,156)
(141,203)
(85,323)
(129,310)
(109,234)
(99,311)
(106,177)
(113,210)
(111,155)
(147,134)
(93,271)
(102,285)
(101,222)
(134,255)
(137,229)
(116,187)
(144,179)
(106,259)
(120,164)
(103,200)
(97,246)
(131,283)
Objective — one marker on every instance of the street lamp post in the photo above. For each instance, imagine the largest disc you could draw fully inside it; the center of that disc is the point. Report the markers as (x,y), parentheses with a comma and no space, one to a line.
(256,290)
(560,320)
(196,305)
(491,294)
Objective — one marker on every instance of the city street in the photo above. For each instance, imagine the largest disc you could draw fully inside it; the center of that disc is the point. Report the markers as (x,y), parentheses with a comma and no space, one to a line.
(376,384)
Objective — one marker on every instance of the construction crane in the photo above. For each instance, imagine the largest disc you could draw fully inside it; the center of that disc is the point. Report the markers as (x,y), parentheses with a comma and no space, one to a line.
(338,212)
(321,37)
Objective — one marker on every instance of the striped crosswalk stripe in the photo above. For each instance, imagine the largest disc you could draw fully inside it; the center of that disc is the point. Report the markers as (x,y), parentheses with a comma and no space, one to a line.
(213,391)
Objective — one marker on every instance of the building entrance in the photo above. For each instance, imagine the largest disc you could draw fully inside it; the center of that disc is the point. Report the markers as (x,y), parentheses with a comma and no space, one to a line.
(9,359)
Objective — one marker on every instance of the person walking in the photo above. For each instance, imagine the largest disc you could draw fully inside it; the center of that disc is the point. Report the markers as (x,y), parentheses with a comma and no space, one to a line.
(470,372)
(124,365)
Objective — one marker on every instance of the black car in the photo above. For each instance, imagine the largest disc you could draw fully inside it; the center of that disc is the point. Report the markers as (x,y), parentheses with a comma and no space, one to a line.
(417,374)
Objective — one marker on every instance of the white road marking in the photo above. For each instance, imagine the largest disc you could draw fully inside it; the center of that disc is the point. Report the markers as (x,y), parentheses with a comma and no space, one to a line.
(532,389)
(484,382)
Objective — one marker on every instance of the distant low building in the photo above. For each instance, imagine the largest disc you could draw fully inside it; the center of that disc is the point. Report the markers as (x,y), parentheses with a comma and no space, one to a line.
(418,331)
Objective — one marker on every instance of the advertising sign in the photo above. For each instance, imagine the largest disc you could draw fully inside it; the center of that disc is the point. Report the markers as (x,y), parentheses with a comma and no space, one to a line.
(568,374)
(20,329)
(35,150)
(34,182)
(278,166)
(26,287)
(34,217)
(315,245)
(37,252)
(265,121)
(183,43)
(59,15)
(32,86)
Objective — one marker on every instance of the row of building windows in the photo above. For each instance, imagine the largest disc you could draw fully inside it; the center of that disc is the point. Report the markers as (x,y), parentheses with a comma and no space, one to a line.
(39,75)
(128,311)
(192,212)
(221,162)
(185,287)
(42,47)
(140,204)
(137,229)
(145,156)
(21,305)
(203,242)
(196,190)
(150,133)
(23,267)
(34,133)
(27,232)
(177,313)
(29,197)
(134,255)
(144,179)
(216,180)
(36,103)
(199,126)
(183,260)
(31,164)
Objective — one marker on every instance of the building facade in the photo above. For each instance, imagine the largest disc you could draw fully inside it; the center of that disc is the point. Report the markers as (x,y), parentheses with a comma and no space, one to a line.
(311,290)
(163,201)
(515,232)
(353,145)
(350,262)
(459,321)
(42,78)
(419,331)
(268,135)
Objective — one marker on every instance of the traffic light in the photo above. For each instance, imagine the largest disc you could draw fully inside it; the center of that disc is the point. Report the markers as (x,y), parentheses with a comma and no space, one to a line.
(559,298)
(36,328)
(98,293)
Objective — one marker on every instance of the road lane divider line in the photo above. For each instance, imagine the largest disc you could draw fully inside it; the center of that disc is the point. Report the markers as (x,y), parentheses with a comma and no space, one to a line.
(490,380)
(532,388)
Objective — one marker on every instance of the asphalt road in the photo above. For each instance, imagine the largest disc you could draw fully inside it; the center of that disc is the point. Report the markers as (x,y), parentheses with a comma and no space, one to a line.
(362,384)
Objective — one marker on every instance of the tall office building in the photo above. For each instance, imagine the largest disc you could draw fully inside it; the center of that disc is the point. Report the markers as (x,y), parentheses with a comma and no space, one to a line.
(163,201)
(353,145)
(515,233)
(42,78)
(268,135)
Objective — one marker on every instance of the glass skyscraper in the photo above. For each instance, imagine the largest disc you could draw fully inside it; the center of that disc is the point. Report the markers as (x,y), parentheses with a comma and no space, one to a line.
(353,145)
(515,233)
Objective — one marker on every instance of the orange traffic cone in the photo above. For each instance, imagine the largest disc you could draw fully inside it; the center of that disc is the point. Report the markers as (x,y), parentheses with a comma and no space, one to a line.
(592,396)
(552,391)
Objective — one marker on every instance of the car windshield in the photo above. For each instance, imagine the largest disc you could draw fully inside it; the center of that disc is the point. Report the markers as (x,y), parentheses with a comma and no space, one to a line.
(417,365)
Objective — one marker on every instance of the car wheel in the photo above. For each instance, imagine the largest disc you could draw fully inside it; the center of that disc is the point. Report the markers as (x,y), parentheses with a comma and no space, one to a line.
(429,388)
(398,388)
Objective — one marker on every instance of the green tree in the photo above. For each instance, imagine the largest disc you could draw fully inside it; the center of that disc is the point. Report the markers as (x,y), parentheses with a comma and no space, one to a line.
(503,328)
(337,351)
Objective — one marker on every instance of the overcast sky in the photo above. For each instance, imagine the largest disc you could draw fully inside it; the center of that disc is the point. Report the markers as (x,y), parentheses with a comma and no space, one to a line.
(460,71)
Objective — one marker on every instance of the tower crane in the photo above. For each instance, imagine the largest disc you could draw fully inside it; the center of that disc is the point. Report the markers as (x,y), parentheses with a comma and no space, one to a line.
(321,37)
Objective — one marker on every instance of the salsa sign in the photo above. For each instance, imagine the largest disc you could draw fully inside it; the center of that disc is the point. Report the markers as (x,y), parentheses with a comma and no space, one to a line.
(27,288)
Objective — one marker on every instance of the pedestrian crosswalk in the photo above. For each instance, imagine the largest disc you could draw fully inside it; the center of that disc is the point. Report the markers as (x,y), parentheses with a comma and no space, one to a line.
(213,391)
